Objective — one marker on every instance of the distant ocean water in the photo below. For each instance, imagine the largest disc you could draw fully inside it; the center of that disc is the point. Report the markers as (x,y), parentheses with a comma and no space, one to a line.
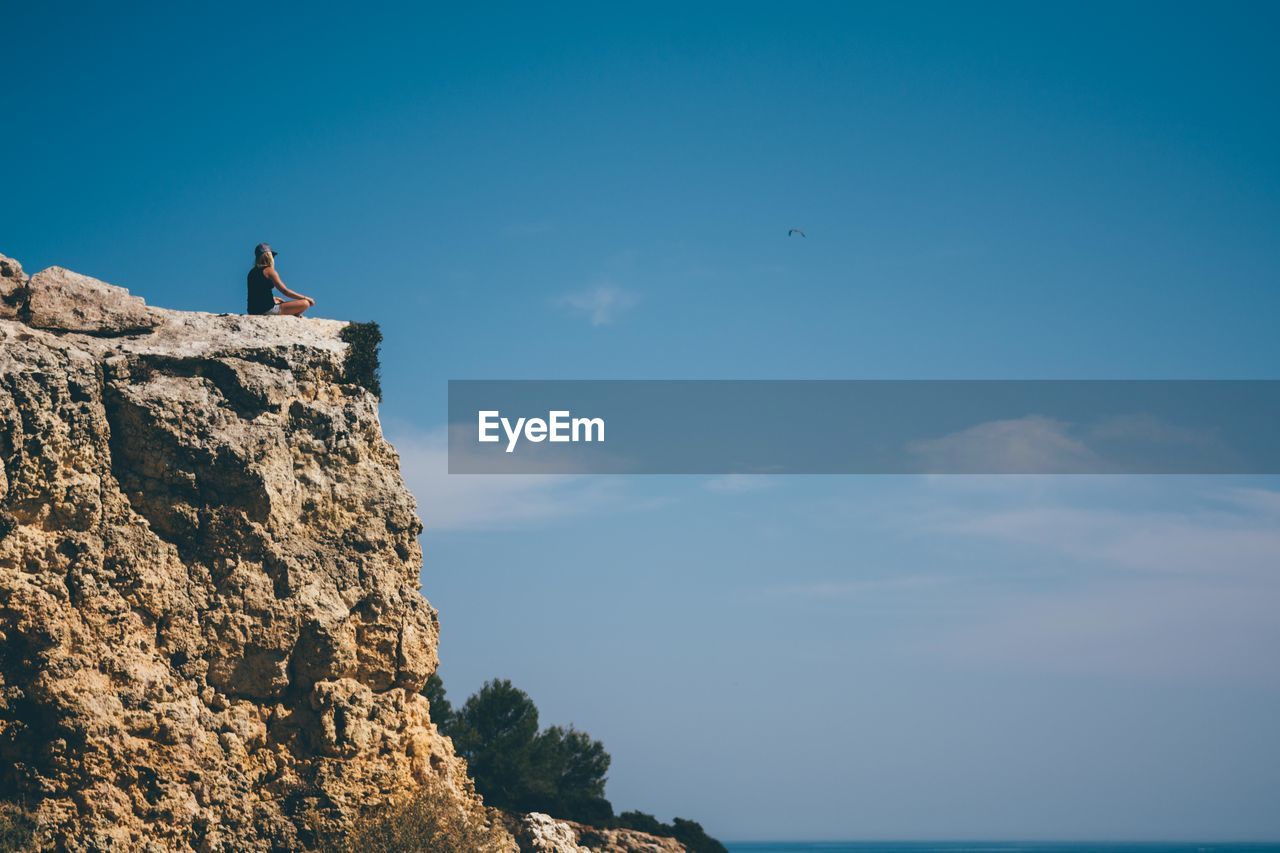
(992,847)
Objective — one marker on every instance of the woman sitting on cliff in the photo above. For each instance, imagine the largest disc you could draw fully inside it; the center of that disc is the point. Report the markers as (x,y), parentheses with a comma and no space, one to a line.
(263,278)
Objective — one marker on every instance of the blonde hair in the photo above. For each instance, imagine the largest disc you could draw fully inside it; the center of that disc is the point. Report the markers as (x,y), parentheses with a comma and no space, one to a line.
(266,259)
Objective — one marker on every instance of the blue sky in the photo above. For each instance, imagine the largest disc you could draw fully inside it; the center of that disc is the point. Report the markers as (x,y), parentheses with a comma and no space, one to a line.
(590,191)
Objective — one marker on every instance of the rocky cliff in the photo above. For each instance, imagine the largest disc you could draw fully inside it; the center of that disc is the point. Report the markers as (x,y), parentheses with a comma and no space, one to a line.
(540,833)
(211,634)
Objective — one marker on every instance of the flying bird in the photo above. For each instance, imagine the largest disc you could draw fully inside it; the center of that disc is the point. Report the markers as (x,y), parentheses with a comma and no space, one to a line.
(792,231)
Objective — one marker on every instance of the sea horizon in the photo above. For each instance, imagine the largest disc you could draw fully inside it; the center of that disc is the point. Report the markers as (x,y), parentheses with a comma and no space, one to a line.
(983,846)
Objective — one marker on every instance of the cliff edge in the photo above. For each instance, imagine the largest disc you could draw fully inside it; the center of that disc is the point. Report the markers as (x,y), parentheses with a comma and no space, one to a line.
(211,634)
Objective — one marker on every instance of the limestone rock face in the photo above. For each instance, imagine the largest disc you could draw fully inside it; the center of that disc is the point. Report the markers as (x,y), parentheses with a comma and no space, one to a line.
(539,833)
(12,288)
(211,633)
(66,301)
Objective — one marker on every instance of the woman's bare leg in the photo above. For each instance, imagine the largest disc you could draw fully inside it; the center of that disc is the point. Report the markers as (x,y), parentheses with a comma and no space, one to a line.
(294,306)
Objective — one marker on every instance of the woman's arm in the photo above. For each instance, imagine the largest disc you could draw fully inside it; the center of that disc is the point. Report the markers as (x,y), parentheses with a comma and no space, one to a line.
(275,279)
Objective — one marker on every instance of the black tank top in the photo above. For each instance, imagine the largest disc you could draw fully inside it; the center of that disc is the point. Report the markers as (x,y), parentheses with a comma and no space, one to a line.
(260,299)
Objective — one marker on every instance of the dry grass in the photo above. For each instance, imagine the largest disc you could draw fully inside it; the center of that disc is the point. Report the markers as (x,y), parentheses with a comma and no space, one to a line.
(432,821)
(16,827)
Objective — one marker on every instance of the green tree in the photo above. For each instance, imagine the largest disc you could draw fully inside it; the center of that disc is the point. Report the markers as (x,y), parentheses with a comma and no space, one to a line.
(688,832)
(695,839)
(495,732)
(560,771)
(643,822)
(441,709)
(572,770)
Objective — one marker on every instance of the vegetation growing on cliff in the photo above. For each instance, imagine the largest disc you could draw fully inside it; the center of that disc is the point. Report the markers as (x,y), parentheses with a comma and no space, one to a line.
(559,771)
(362,365)
(688,832)
(431,821)
(16,827)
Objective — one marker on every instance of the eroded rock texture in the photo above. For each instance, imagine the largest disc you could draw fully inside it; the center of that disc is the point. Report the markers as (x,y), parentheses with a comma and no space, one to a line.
(539,833)
(211,634)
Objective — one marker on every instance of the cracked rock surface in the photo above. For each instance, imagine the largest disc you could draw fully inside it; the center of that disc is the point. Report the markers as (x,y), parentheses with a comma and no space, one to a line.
(540,833)
(211,633)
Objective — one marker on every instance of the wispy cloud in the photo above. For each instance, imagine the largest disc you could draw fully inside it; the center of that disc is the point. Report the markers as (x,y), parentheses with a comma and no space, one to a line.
(1030,445)
(738,484)
(1133,630)
(1151,578)
(1036,444)
(601,304)
(1219,531)
(450,502)
(861,587)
